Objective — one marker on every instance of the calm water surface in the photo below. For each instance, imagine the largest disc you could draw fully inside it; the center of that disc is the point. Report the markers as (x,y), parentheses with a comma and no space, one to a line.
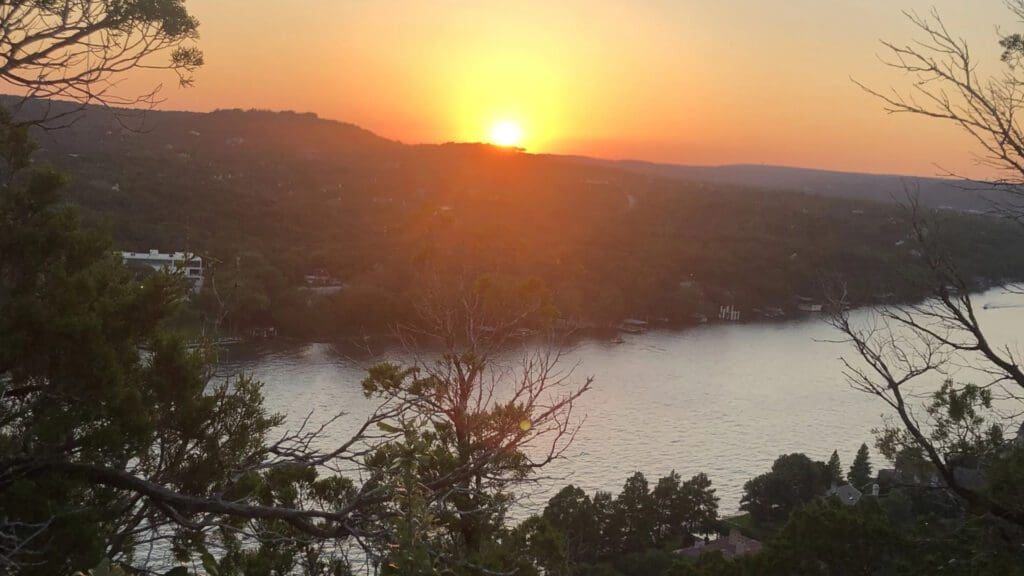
(722,399)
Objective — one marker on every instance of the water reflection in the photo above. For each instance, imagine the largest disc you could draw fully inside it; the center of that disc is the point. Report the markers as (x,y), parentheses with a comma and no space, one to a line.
(723,399)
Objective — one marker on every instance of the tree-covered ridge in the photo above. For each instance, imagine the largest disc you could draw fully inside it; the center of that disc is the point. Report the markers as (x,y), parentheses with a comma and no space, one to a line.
(270,197)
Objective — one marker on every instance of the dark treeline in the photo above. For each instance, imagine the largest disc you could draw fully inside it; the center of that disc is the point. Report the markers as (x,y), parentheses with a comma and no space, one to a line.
(794,523)
(270,198)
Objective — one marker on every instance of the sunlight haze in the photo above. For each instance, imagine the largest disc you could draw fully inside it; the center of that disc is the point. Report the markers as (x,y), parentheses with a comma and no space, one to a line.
(695,82)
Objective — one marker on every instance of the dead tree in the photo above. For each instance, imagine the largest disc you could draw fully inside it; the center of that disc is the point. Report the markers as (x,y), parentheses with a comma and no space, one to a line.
(904,351)
(944,83)
(492,403)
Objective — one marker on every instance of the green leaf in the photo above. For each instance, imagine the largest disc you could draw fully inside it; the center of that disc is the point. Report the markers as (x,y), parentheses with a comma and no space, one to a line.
(388,428)
(179,571)
(102,569)
(210,564)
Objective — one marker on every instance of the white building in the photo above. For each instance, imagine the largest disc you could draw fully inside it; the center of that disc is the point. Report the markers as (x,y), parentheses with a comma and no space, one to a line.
(190,265)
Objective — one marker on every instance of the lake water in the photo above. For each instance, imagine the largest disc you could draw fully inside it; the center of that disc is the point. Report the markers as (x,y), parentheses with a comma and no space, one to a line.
(724,399)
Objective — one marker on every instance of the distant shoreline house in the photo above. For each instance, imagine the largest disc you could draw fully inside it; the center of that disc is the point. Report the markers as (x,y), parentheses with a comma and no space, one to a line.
(320,282)
(633,326)
(731,546)
(809,305)
(847,494)
(190,265)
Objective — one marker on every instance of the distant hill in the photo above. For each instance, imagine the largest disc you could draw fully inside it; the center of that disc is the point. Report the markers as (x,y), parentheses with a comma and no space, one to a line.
(305,134)
(268,197)
(933,192)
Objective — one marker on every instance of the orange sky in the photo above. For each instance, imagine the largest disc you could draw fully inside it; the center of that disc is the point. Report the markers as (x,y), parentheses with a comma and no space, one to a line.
(687,81)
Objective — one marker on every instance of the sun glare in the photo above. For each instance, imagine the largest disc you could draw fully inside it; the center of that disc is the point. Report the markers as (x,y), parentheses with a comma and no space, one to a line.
(506,133)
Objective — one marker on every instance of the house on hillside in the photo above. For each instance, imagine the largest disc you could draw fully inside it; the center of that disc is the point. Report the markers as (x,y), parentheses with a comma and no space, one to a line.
(190,265)
(729,313)
(320,281)
(731,546)
(319,277)
(969,471)
(846,494)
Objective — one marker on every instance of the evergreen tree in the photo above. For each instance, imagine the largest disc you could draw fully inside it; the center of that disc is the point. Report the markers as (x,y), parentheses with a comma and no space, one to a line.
(834,469)
(635,515)
(670,509)
(860,470)
(572,513)
(701,504)
(604,511)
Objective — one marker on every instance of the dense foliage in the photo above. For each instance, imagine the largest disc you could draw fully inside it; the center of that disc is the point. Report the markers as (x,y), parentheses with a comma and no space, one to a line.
(907,530)
(272,197)
(96,398)
(577,534)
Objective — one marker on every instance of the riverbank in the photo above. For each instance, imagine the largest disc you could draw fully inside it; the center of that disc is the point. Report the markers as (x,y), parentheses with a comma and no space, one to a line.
(724,398)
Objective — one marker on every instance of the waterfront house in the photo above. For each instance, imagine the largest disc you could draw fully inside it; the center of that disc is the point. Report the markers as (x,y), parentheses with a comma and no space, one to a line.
(190,265)
(731,546)
(847,494)
(729,313)
(805,304)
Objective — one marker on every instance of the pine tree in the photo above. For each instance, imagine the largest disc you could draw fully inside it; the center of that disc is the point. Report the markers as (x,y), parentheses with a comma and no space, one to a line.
(834,469)
(860,471)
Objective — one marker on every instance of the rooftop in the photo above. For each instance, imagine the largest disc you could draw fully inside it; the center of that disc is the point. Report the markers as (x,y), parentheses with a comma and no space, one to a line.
(731,546)
(162,256)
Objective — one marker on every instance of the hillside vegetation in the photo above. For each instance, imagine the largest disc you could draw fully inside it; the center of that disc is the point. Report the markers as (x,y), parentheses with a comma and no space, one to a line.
(270,197)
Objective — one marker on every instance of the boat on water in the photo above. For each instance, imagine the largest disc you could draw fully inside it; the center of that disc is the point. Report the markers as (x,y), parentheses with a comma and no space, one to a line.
(992,306)
(523,333)
(633,326)
(805,304)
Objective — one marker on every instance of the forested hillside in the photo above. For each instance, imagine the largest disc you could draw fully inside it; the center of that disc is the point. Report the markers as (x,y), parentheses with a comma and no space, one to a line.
(934,192)
(269,197)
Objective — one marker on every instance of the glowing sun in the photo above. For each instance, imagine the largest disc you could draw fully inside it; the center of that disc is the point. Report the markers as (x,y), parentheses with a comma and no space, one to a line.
(506,133)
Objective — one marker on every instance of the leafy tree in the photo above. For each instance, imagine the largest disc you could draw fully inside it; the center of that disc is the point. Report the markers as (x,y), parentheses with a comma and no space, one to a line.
(793,481)
(545,546)
(670,509)
(85,416)
(683,508)
(634,515)
(713,564)
(650,561)
(829,538)
(860,471)
(759,498)
(604,511)
(1004,477)
(572,513)
(702,504)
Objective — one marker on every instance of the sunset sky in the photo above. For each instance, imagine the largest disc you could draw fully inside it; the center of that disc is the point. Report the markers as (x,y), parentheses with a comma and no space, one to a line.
(687,81)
